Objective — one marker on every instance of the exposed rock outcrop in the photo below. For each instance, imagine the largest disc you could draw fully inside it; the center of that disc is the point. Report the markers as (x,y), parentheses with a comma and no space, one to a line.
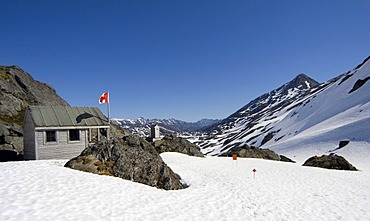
(254,152)
(17,91)
(129,157)
(171,143)
(331,161)
(359,83)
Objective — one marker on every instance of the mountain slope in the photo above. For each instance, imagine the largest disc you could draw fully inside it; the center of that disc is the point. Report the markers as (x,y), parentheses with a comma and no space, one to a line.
(244,122)
(294,114)
(340,112)
(19,90)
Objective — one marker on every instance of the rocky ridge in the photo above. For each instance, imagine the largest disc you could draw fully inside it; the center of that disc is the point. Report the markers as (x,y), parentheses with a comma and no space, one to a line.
(17,91)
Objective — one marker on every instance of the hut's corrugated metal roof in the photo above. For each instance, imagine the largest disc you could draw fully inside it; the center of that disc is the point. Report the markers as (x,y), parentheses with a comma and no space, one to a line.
(66,116)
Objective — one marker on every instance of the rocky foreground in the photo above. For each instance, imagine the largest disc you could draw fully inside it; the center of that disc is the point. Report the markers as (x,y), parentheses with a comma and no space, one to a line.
(129,157)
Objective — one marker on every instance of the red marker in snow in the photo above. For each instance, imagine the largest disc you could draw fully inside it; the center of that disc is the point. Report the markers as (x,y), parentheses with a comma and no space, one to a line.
(254,173)
(235,157)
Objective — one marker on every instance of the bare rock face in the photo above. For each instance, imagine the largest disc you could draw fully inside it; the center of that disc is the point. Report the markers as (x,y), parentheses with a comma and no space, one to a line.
(171,143)
(17,91)
(331,161)
(129,157)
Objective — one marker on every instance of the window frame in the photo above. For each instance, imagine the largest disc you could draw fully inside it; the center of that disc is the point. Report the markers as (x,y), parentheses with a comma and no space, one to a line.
(73,135)
(47,136)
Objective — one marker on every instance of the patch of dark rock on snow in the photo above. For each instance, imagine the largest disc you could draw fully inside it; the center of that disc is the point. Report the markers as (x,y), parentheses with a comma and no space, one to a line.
(171,143)
(348,75)
(254,152)
(269,136)
(359,83)
(286,159)
(342,144)
(331,161)
(131,158)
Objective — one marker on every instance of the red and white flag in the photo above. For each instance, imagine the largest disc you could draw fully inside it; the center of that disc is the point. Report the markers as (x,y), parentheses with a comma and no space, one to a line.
(104,98)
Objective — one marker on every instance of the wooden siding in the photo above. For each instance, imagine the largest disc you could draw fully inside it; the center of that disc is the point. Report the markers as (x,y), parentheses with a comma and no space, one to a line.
(29,138)
(62,148)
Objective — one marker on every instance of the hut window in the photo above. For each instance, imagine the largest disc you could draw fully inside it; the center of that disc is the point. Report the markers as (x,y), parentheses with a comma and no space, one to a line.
(51,136)
(74,135)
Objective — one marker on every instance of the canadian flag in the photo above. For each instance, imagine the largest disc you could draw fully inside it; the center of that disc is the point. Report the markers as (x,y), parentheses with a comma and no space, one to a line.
(104,98)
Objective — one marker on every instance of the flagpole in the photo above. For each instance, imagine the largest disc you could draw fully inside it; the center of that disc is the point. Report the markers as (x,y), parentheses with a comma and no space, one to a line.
(108,107)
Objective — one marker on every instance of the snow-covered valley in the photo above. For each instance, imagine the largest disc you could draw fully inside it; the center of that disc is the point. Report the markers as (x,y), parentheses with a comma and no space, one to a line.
(220,189)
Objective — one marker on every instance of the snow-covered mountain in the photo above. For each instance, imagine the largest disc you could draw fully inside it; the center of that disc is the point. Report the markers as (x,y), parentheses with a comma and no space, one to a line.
(300,114)
(141,126)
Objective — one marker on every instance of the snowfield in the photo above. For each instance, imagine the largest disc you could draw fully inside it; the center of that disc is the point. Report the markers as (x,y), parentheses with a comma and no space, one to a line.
(220,189)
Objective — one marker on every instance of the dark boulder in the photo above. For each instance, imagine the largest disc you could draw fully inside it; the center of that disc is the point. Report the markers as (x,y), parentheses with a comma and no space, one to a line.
(331,161)
(171,143)
(129,157)
(10,155)
(11,139)
(253,152)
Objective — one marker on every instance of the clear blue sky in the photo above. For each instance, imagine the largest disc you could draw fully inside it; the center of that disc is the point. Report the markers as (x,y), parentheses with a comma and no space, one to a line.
(187,59)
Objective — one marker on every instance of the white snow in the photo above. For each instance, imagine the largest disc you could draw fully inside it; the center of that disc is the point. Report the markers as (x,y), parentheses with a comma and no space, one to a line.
(220,189)
(307,84)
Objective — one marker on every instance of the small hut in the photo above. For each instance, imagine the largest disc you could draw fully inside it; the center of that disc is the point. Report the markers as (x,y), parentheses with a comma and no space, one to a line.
(61,132)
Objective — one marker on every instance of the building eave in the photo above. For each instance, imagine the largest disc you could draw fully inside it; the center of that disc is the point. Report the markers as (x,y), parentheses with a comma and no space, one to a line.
(69,127)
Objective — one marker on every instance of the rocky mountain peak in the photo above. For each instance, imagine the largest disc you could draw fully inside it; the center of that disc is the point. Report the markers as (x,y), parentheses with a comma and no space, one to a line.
(302,80)
(277,98)
(18,90)
(263,106)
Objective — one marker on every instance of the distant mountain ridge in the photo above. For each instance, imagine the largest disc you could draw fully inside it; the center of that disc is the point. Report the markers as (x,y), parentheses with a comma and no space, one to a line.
(141,126)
